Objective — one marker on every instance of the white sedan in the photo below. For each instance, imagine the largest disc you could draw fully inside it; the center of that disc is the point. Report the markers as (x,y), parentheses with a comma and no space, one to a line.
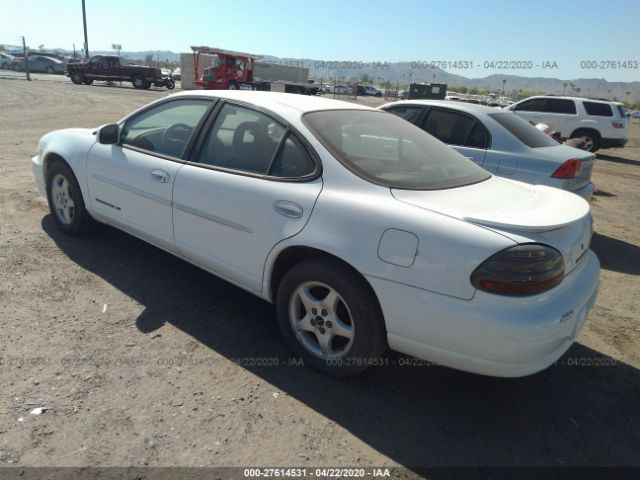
(364,230)
(502,143)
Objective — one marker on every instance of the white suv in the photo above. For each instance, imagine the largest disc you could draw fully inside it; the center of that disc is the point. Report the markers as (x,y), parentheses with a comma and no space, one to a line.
(603,124)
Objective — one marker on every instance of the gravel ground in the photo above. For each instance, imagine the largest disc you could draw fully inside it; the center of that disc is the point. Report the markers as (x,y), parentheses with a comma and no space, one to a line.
(142,359)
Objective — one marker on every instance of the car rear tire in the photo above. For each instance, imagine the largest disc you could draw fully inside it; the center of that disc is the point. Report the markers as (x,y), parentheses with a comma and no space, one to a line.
(330,317)
(65,200)
(591,138)
(77,78)
(138,82)
(232,86)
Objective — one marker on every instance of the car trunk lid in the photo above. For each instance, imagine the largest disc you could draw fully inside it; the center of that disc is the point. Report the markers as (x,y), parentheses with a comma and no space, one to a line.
(522,212)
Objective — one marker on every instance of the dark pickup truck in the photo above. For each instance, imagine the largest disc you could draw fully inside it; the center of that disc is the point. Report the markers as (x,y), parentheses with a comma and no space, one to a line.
(107,67)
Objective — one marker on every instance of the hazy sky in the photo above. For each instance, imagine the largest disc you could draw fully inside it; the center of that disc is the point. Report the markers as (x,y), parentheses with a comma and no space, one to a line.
(565,31)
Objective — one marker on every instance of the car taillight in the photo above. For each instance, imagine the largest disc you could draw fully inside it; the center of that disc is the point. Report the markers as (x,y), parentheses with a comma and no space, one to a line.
(568,170)
(525,269)
(617,124)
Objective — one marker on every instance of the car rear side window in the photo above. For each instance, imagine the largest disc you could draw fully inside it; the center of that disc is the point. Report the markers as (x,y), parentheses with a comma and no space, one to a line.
(598,109)
(165,128)
(242,139)
(292,161)
(449,127)
(560,105)
(523,130)
(478,137)
(408,112)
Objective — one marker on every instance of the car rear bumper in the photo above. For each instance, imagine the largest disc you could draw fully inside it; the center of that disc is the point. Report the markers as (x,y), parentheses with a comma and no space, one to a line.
(585,192)
(490,334)
(613,142)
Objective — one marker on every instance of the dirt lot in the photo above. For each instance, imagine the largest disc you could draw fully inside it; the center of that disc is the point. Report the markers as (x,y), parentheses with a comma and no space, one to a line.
(142,359)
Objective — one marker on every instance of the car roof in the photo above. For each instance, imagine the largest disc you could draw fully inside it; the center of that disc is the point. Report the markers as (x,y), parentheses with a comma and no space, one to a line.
(472,108)
(567,97)
(275,100)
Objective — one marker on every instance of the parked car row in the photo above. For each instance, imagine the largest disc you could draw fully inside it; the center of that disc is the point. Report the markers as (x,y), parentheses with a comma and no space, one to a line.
(38,64)
(362,90)
(362,227)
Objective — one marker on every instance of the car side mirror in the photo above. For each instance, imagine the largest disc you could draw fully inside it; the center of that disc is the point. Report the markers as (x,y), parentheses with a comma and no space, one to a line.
(109,134)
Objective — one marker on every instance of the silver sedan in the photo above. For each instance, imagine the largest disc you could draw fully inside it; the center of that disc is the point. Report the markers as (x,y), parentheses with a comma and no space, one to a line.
(502,143)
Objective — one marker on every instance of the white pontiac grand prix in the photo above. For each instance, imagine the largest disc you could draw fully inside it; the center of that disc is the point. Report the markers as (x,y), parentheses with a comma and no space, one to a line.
(364,230)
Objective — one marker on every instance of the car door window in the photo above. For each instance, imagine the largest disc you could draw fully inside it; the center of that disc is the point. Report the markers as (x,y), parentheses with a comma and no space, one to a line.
(560,105)
(292,161)
(447,126)
(533,105)
(242,139)
(165,128)
(478,137)
(408,112)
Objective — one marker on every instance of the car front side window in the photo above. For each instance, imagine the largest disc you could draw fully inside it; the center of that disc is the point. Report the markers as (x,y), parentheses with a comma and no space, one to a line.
(534,105)
(166,128)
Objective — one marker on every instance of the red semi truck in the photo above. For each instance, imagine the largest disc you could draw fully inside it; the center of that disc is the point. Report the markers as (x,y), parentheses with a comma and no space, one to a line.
(237,70)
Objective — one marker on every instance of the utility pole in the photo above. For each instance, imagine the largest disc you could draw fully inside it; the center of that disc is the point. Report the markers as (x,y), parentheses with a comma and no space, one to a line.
(86,39)
(26,59)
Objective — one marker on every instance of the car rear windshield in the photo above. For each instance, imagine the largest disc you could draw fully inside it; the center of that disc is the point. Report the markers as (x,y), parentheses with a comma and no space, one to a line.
(386,150)
(523,130)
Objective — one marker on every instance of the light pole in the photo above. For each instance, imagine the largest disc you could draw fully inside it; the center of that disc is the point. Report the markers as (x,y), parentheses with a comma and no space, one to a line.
(86,38)
(26,59)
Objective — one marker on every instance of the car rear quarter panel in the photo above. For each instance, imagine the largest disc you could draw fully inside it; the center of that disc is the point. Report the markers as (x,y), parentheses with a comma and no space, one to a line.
(352,214)
(351,224)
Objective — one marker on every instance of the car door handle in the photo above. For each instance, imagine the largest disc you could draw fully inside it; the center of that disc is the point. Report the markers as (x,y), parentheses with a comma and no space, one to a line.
(160,176)
(288,209)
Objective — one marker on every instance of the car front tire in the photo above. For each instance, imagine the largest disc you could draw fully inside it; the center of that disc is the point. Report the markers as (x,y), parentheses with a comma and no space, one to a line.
(65,200)
(77,78)
(330,317)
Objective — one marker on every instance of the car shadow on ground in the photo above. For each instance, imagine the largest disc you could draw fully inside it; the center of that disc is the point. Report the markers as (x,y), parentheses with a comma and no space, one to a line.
(616,255)
(616,159)
(583,411)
